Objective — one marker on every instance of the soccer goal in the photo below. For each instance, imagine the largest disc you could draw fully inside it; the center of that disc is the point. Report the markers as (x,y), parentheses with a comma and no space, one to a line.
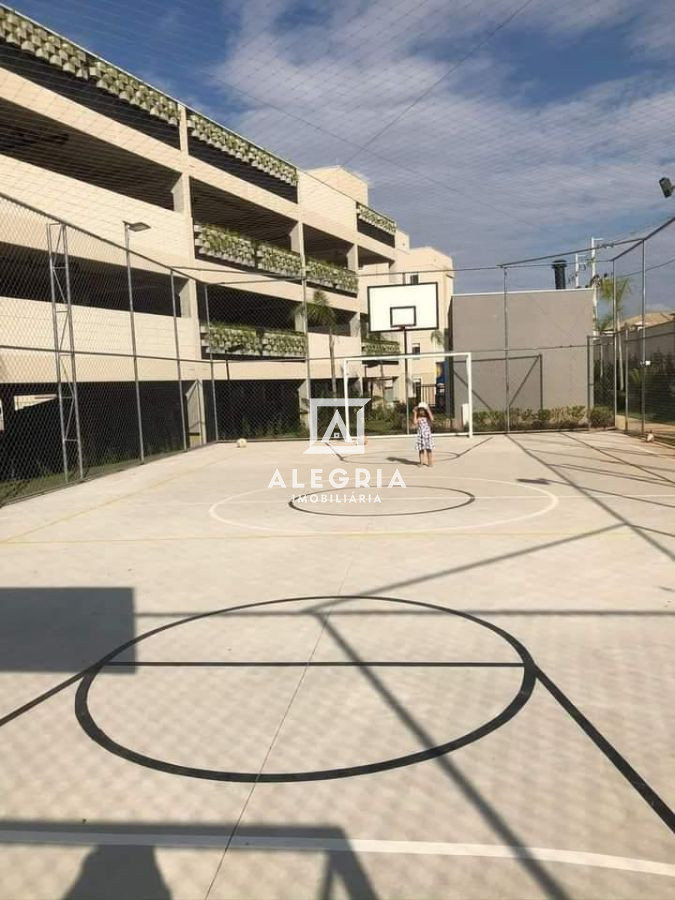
(396,383)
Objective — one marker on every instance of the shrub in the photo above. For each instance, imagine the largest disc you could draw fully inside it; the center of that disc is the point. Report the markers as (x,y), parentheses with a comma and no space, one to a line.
(601,417)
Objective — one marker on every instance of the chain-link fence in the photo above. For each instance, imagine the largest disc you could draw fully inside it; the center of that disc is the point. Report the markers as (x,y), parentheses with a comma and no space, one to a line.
(643,336)
(99,366)
(109,358)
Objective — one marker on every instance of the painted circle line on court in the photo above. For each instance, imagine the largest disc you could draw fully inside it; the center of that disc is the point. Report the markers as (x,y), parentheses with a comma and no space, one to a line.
(296,503)
(552,499)
(97,734)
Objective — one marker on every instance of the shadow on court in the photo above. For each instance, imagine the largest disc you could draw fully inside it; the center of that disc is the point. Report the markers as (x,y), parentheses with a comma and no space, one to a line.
(62,629)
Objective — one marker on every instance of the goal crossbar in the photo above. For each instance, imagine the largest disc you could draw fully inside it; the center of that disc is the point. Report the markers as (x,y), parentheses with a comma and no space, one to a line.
(394,357)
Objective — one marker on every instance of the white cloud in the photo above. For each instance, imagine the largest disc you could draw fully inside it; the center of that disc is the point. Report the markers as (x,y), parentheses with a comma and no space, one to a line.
(504,178)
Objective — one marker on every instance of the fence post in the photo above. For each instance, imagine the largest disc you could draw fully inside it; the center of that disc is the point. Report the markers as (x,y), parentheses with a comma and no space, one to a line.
(213,382)
(643,345)
(59,281)
(507,383)
(615,333)
(625,379)
(139,414)
(178,366)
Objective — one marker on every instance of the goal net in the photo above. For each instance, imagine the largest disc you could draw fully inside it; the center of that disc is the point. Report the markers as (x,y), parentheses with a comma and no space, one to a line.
(393,384)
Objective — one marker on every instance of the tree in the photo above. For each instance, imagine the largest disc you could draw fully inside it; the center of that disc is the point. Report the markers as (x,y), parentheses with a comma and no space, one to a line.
(605,320)
(323,315)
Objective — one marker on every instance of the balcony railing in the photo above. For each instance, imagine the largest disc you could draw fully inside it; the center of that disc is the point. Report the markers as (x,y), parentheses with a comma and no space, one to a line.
(328,275)
(32,38)
(203,129)
(246,340)
(373,347)
(376,219)
(229,246)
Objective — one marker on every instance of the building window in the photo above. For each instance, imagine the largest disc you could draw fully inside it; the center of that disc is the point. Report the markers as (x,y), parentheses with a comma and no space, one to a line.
(415,348)
(414,279)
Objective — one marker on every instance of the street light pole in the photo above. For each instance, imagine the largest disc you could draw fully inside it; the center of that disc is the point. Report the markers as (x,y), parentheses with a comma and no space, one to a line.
(128,228)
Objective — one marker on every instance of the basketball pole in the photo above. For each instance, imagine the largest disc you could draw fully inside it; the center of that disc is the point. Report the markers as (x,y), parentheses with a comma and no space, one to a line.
(405,375)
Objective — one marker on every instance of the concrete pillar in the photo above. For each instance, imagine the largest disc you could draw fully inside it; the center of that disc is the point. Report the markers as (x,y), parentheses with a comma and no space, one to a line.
(353,258)
(298,318)
(303,403)
(196,416)
(297,238)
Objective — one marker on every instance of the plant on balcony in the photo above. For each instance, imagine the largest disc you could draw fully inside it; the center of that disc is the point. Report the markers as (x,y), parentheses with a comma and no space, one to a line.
(331,276)
(202,129)
(283,343)
(247,340)
(240,339)
(272,165)
(31,38)
(376,219)
(321,313)
(135,92)
(375,347)
(226,245)
(216,136)
(279,261)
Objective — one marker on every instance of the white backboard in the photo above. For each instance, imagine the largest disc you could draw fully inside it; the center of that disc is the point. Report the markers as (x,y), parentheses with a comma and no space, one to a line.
(412,306)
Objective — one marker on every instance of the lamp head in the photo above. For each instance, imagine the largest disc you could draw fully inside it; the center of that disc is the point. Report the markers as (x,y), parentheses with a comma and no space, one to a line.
(666,186)
(136,226)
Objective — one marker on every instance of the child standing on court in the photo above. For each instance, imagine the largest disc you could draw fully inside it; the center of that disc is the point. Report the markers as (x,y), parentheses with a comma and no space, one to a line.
(422,419)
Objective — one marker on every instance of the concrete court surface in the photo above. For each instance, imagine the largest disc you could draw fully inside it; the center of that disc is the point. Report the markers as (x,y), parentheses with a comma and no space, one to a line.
(463,691)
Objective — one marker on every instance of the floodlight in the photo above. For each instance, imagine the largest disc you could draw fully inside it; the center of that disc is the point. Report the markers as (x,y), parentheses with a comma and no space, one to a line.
(666,186)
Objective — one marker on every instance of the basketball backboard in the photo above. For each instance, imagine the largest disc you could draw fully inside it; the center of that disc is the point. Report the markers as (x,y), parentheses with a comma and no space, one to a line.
(392,307)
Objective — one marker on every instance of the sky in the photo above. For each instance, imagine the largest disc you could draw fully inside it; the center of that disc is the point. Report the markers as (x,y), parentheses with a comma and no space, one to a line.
(494,130)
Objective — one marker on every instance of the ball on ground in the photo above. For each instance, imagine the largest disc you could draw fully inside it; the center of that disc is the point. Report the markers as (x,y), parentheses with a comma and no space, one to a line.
(241,442)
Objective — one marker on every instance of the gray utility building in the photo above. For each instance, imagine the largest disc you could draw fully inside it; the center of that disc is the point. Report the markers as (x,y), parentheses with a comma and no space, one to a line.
(531,349)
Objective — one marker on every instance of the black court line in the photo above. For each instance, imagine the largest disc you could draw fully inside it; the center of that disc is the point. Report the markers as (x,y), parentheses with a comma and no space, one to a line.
(363,458)
(19,711)
(98,735)
(316,509)
(320,664)
(618,459)
(633,777)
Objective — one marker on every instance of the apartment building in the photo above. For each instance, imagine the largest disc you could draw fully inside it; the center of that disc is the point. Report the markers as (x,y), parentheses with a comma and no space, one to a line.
(219,241)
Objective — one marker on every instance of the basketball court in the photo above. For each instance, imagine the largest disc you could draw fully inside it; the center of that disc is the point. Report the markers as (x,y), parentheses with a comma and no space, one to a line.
(217,688)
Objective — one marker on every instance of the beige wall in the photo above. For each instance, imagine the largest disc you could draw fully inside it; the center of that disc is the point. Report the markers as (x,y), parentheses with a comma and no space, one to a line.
(327,200)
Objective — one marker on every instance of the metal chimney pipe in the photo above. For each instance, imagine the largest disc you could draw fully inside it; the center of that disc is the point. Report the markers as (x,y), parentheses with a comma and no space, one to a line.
(559,266)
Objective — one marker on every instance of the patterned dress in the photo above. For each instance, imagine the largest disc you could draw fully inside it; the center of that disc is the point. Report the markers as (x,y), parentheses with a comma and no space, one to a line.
(425,438)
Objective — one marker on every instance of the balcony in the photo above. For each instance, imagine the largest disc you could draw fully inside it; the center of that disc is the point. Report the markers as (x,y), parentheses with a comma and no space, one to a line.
(375,224)
(243,340)
(373,347)
(240,157)
(328,275)
(232,247)
(32,39)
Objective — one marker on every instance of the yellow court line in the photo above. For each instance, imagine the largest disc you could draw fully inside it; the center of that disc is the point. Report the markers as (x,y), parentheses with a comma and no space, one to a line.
(329,534)
(14,538)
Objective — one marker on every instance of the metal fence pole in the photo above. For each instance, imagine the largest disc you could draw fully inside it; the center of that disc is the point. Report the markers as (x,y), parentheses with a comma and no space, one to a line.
(64,291)
(178,366)
(643,344)
(305,320)
(57,355)
(625,379)
(507,373)
(139,414)
(590,372)
(213,376)
(615,336)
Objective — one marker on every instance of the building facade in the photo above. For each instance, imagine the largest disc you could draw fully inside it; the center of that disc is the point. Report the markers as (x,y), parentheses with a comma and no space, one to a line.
(219,242)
